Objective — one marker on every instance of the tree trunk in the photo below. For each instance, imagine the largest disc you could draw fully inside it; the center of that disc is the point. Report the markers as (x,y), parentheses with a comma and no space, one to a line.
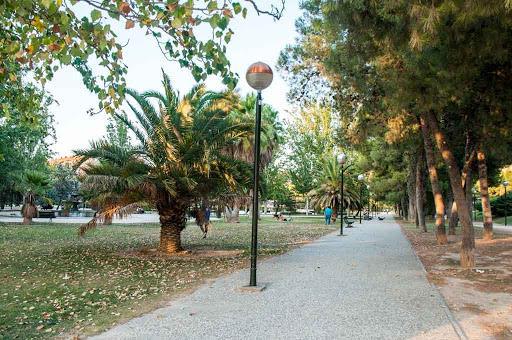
(173,219)
(420,189)
(467,256)
(334,214)
(469,193)
(434,183)
(29,208)
(107,220)
(403,206)
(411,193)
(448,205)
(484,194)
(454,219)
(232,214)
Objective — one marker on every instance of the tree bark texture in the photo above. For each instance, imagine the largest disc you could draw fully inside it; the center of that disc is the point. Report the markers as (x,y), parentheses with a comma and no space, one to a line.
(411,193)
(434,183)
(420,189)
(467,256)
(173,219)
(484,194)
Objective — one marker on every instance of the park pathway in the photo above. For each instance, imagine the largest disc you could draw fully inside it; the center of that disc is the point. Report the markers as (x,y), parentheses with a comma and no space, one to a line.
(367,285)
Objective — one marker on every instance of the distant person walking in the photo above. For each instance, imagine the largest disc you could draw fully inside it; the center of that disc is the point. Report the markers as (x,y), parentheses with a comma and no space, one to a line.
(328,214)
(208,213)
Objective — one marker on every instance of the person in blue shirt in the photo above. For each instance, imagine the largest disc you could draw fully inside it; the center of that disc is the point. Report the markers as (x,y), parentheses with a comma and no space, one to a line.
(328,214)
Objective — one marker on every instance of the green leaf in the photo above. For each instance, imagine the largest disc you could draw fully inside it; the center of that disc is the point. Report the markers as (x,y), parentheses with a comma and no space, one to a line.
(95,15)
(237,8)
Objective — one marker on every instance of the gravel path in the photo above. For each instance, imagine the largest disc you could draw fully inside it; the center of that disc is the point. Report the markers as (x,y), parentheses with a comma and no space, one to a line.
(367,285)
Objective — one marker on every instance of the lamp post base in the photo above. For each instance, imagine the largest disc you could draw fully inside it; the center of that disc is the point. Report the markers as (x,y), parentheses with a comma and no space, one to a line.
(252,289)
(342,235)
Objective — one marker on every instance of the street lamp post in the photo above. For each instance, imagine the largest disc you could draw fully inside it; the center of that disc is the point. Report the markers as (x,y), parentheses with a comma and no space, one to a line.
(505,184)
(259,76)
(342,159)
(369,200)
(360,178)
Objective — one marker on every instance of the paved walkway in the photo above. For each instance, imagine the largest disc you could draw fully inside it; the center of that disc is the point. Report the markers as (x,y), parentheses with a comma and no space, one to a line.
(368,284)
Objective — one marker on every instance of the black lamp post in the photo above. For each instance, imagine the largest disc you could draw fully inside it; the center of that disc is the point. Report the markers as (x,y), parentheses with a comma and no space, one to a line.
(360,178)
(505,185)
(369,201)
(259,76)
(342,159)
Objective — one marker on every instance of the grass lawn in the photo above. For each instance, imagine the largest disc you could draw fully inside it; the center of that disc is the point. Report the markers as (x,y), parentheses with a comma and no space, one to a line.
(54,283)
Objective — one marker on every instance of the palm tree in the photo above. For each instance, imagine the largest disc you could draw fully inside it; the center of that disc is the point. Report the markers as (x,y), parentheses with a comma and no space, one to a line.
(181,157)
(34,183)
(328,193)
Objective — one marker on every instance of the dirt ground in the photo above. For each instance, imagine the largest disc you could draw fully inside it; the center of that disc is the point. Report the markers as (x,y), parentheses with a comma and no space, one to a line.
(480,299)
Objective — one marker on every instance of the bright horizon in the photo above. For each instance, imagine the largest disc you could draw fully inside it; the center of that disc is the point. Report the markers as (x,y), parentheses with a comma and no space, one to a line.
(75,128)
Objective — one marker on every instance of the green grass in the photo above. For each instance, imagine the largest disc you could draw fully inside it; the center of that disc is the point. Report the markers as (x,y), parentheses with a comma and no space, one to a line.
(52,282)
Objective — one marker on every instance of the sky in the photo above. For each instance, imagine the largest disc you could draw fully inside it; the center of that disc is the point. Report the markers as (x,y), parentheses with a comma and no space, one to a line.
(256,38)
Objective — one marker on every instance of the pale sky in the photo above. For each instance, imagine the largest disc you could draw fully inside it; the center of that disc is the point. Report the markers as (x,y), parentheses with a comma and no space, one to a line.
(255,39)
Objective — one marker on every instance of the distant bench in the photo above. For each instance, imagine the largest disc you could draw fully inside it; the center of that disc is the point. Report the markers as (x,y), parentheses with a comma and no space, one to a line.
(348,222)
(46,214)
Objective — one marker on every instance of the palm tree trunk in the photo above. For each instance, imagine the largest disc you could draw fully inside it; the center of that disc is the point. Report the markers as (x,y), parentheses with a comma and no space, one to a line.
(334,207)
(29,209)
(484,194)
(467,256)
(107,220)
(434,183)
(173,219)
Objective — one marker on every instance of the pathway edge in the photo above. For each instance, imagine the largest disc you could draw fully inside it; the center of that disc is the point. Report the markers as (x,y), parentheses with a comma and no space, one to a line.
(455,324)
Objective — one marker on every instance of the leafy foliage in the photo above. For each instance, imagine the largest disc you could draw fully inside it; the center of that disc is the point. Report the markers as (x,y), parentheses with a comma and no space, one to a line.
(44,35)
(26,132)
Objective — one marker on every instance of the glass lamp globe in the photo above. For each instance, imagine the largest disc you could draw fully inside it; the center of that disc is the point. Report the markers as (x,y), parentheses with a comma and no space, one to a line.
(342,158)
(259,76)
(505,183)
(360,177)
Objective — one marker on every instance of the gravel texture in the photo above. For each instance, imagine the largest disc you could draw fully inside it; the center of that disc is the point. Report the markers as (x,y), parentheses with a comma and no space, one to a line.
(367,285)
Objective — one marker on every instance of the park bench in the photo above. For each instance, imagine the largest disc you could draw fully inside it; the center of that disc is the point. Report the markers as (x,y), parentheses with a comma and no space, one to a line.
(380,218)
(46,214)
(348,222)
